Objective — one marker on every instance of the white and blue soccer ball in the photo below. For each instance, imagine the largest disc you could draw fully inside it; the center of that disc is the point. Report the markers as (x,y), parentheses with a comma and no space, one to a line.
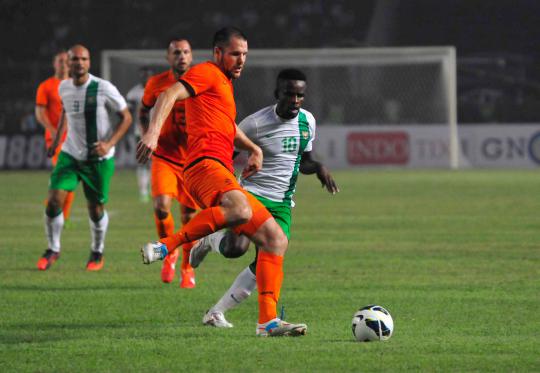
(372,323)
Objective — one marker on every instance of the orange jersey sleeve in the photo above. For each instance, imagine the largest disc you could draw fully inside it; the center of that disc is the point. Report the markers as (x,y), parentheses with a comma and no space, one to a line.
(210,114)
(48,97)
(172,138)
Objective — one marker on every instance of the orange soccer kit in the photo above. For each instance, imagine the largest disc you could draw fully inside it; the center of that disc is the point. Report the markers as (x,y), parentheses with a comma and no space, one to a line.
(169,156)
(208,174)
(47,96)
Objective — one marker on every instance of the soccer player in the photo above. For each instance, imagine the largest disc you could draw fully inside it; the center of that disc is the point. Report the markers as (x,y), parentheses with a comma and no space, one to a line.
(285,133)
(133,98)
(49,111)
(208,174)
(168,160)
(86,155)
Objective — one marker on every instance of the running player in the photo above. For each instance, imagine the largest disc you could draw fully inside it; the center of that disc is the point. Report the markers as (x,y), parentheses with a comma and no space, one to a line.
(49,111)
(87,154)
(208,174)
(133,98)
(168,160)
(285,132)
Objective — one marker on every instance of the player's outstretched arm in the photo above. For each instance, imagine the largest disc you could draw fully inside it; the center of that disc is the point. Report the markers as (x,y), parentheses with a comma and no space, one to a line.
(163,107)
(254,162)
(62,123)
(101,148)
(310,166)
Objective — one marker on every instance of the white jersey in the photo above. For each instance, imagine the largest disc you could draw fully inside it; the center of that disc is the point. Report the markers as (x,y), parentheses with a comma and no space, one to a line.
(87,113)
(134,99)
(283,141)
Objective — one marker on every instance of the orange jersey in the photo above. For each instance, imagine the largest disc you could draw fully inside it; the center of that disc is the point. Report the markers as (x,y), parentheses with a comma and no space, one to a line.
(172,138)
(47,96)
(210,113)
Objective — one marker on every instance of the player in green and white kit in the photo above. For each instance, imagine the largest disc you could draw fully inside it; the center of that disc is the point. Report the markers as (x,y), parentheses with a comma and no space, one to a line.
(87,154)
(285,133)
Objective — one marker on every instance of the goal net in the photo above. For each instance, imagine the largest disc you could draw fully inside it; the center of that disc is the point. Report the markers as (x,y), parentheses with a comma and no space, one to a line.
(371,87)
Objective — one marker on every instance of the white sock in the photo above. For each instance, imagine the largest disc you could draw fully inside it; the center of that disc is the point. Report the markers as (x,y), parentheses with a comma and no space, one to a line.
(53,231)
(241,288)
(97,231)
(215,238)
(143,178)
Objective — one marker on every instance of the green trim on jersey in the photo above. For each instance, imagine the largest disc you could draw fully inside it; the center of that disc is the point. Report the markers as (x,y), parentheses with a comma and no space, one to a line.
(305,135)
(90,117)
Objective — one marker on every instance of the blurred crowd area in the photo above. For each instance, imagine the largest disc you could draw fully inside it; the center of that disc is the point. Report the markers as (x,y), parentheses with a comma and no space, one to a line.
(498,69)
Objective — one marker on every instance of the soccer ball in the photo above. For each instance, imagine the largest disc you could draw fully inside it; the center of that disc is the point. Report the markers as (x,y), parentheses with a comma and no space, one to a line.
(372,323)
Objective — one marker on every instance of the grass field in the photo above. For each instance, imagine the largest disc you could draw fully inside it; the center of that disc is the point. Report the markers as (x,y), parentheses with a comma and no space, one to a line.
(454,256)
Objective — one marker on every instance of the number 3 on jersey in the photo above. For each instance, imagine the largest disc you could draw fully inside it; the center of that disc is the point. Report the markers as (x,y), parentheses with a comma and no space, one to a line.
(290,144)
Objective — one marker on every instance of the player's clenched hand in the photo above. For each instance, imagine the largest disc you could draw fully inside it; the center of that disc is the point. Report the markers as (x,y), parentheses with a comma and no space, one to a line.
(145,147)
(327,180)
(254,163)
(101,148)
(51,150)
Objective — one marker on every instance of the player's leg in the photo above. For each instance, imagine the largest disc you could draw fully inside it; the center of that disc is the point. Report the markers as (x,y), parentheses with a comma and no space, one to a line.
(226,242)
(68,202)
(96,178)
(187,280)
(63,180)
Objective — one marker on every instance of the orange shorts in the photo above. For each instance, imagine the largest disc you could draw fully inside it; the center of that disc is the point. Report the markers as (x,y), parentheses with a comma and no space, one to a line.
(168,179)
(208,180)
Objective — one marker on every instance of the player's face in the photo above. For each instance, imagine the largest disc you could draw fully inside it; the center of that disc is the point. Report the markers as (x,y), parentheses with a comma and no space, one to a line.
(179,56)
(231,59)
(60,64)
(79,62)
(290,96)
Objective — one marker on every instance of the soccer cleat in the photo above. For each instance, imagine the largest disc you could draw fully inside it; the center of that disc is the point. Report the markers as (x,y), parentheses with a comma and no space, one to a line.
(199,251)
(188,278)
(153,251)
(279,328)
(216,319)
(47,259)
(169,267)
(95,262)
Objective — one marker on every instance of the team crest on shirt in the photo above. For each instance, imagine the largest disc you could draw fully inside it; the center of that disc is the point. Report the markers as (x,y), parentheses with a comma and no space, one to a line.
(91,100)
(305,135)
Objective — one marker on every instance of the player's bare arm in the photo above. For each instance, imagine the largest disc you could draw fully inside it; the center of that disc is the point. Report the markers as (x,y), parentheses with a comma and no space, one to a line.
(43,119)
(62,124)
(101,148)
(163,107)
(254,162)
(309,166)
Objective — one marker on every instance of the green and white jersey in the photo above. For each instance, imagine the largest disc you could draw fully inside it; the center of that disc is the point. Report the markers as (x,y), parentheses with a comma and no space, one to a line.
(87,109)
(283,141)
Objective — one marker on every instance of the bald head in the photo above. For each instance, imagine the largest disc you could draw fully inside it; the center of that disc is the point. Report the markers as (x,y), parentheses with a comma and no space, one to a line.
(79,63)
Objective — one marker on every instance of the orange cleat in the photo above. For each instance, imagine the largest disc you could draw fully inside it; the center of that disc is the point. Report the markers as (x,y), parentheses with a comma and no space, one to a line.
(188,278)
(96,261)
(47,260)
(169,266)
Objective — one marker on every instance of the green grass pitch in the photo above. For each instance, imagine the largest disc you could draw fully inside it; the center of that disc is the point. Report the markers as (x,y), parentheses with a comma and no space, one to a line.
(454,256)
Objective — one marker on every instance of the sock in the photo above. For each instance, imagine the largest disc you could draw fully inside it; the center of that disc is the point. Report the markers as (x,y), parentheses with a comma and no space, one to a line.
(98,229)
(205,222)
(241,288)
(269,279)
(165,227)
(67,204)
(53,231)
(215,240)
(143,179)
(186,249)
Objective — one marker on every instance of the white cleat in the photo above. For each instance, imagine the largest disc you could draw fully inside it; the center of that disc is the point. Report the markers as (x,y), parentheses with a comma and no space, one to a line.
(279,328)
(199,251)
(216,319)
(153,251)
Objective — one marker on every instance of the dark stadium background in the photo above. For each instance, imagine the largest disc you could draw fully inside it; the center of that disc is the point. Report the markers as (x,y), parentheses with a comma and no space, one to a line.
(496,41)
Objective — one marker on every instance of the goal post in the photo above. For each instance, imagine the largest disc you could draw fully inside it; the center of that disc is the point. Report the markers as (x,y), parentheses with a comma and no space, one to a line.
(375,87)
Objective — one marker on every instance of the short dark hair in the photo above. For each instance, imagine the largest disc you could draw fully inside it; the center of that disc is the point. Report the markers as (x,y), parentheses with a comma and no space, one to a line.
(177,39)
(224,35)
(291,74)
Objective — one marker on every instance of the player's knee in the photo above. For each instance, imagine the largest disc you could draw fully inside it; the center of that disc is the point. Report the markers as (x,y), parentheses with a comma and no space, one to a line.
(236,207)
(277,242)
(161,213)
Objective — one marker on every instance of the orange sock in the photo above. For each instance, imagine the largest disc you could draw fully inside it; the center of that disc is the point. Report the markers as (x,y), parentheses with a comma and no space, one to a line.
(204,223)
(165,227)
(67,204)
(186,249)
(269,279)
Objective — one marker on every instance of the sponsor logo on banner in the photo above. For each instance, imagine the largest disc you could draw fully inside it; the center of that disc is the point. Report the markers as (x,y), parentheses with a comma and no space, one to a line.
(378,148)
(534,147)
